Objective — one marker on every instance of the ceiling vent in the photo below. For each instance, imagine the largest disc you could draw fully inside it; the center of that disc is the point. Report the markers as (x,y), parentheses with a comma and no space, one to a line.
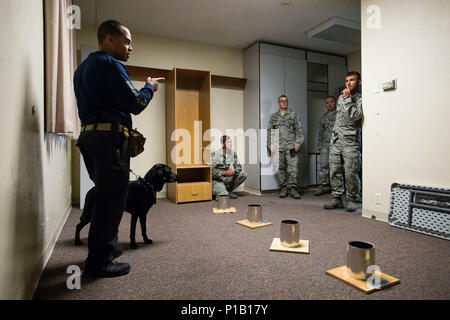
(338,29)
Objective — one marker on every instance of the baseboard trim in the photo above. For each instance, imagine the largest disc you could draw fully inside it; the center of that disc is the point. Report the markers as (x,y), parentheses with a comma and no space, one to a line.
(369,214)
(42,263)
(252,191)
(161,195)
(262,192)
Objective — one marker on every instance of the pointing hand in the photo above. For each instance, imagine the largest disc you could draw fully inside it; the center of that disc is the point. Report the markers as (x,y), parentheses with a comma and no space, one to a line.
(154,82)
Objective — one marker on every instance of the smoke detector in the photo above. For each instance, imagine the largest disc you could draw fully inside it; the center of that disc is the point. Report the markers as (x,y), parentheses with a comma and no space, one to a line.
(285,3)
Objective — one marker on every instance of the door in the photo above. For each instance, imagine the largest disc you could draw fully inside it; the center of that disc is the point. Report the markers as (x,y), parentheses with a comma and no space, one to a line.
(295,88)
(272,86)
(316,108)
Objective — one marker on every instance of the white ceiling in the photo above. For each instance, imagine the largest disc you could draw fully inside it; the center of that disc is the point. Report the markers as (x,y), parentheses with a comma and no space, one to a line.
(230,23)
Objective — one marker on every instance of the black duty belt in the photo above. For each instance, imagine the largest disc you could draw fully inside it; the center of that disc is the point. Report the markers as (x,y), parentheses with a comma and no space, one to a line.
(106,127)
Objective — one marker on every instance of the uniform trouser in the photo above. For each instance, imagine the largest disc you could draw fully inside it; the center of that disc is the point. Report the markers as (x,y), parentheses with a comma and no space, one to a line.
(345,160)
(222,186)
(286,168)
(324,173)
(107,161)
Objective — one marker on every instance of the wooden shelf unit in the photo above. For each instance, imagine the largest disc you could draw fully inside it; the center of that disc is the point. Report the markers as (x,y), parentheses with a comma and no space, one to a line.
(217,81)
(188,99)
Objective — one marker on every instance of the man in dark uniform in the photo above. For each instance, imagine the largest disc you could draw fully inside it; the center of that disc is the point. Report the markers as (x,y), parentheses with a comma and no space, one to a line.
(105,98)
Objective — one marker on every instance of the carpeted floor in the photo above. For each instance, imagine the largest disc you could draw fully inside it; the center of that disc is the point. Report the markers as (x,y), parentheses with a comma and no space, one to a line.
(199,255)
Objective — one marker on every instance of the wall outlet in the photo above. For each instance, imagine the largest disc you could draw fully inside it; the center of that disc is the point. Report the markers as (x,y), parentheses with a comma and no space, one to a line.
(377,198)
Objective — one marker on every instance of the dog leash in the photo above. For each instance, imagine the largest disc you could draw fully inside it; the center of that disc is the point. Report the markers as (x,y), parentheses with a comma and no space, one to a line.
(146,183)
(137,177)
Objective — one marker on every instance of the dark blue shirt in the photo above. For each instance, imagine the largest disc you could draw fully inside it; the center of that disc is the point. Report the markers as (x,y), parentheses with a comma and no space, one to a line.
(105,93)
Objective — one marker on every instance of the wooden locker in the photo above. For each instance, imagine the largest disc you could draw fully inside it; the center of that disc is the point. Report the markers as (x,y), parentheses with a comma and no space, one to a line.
(188,116)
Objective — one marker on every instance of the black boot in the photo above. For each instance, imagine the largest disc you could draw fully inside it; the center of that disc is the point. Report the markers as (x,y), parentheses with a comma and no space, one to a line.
(113,269)
(117,252)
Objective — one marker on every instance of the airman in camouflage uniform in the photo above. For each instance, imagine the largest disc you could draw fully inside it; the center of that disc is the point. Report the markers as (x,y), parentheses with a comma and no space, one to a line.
(345,150)
(227,172)
(285,153)
(326,124)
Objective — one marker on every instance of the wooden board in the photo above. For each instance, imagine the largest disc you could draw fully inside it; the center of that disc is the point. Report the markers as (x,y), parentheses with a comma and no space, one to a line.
(142,73)
(194,191)
(302,248)
(228,82)
(229,210)
(254,225)
(217,81)
(170,127)
(340,273)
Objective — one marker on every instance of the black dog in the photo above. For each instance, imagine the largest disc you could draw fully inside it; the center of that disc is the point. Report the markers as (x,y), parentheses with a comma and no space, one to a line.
(141,197)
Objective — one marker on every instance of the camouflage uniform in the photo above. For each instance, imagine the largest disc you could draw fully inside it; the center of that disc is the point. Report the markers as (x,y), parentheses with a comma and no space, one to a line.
(284,159)
(222,185)
(326,124)
(345,155)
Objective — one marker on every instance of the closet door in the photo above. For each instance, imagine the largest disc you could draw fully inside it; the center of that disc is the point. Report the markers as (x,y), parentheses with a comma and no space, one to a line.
(271,87)
(251,117)
(295,87)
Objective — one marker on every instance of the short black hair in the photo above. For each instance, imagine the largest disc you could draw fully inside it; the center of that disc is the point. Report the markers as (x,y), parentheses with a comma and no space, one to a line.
(354,73)
(111,27)
(334,98)
(224,138)
(282,96)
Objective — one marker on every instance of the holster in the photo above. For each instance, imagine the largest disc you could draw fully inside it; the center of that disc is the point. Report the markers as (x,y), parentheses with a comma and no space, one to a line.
(136,143)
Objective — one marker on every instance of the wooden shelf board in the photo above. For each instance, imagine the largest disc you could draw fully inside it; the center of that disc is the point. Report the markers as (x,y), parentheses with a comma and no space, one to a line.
(217,81)
(228,82)
(193,183)
(192,166)
(142,73)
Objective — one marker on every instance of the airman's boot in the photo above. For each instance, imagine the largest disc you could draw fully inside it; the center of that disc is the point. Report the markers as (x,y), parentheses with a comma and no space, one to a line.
(322,190)
(335,203)
(232,195)
(295,194)
(283,192)
(319,192)
(351,206)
